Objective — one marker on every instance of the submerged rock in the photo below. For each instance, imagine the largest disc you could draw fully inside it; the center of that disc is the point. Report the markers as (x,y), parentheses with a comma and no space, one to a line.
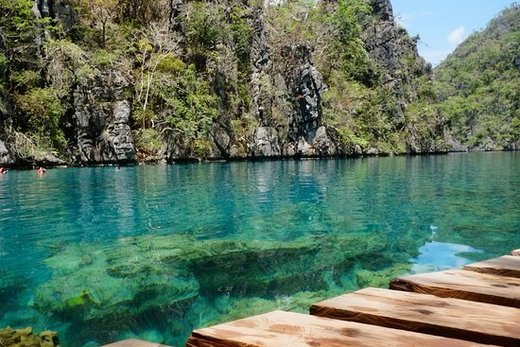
(10,337)
(85,286)
(177,275)
(382,278)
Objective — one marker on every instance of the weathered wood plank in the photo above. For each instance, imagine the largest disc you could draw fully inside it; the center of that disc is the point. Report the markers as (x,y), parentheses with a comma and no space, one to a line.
(134,343)
(278,328)
(472,321)
(507,265)
(462,284)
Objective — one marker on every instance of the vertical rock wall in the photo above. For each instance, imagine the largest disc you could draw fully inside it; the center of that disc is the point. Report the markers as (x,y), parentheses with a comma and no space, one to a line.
(101,121)
(286,94)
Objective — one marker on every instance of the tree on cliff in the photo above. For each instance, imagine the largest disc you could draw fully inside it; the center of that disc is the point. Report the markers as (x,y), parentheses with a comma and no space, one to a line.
(101,12)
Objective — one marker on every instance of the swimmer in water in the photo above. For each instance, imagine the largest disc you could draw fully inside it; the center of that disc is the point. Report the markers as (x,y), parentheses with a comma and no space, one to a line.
(41,170)
(3,171)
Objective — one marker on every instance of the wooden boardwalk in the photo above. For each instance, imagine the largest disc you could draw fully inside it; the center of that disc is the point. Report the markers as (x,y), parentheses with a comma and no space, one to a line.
(478,305)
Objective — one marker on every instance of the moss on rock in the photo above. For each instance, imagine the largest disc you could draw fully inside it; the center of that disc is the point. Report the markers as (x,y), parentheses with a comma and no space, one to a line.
(10,337)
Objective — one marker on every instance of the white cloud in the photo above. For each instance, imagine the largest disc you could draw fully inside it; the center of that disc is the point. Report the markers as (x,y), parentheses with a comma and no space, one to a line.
(457,36)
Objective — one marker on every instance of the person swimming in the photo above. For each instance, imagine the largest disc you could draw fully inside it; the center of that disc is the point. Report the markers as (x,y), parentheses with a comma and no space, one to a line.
(3,171)
(41,170)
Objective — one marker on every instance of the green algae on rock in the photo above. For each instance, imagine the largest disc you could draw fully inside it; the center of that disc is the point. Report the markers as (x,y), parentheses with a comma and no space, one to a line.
(381,278)
(10,337)
(142,273)
(105,292)
(88,290)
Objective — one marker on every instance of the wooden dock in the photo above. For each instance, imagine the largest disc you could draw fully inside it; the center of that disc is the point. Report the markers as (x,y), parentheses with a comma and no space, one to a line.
(478,305)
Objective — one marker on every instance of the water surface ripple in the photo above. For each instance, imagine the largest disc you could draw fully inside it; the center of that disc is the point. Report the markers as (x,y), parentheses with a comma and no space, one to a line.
(155,251)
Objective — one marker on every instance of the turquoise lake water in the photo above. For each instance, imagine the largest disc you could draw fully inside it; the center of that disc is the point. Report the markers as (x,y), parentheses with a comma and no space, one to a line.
(101,254)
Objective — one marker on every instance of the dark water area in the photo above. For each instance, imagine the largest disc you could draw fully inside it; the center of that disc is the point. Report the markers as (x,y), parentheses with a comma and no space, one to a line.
(153,252)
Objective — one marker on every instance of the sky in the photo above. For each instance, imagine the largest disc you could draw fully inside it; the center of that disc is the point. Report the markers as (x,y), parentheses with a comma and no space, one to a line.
(443,24)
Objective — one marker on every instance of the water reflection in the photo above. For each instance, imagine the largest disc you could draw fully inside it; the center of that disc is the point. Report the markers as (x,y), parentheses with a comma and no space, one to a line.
(437,256)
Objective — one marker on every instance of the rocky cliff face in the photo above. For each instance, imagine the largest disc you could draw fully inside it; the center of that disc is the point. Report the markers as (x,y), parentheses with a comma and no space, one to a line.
(100,124)
(284,114)
(390,46)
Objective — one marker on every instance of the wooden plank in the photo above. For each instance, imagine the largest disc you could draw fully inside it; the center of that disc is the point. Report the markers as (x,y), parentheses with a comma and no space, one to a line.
(276,329)
(134,343)
(472,321)
(507,265)
(462,284)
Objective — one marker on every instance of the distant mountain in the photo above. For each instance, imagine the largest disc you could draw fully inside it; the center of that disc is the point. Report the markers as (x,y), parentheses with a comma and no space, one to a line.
(479,86)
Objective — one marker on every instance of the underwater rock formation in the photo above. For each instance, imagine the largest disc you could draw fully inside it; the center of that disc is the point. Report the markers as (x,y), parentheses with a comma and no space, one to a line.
(142,273)
(104,291)
(10,337)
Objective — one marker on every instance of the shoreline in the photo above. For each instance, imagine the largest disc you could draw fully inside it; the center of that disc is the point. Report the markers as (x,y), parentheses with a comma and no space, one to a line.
(24,166)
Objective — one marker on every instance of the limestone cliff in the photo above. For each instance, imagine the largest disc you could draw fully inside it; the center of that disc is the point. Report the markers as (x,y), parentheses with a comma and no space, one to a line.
(226,80)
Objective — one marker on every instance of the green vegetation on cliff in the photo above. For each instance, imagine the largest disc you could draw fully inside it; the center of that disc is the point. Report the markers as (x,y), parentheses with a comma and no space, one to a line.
(124,80)
(478,85)
(226,79)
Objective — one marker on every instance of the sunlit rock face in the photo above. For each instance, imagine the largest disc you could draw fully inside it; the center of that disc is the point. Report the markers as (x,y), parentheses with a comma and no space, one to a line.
(270,95)
(6,158)
(306,85)
(101,121)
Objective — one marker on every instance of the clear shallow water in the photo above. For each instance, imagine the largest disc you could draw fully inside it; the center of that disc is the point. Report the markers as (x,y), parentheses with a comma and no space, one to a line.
(101,254)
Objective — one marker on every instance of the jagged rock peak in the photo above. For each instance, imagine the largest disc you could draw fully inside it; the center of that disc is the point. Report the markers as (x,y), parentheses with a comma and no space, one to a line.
(384,9)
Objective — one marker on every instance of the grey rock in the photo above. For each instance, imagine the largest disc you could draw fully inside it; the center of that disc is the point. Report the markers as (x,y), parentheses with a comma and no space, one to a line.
(44,7)
(391,47)
(383,8)
(453,144)
(102,121)
(265,143)
(61,10)
(323,145)
(289,150)
(372,151)
(220,141)
(306,87)
(261,63)
(6,157)
(487,144)
(304,149)
(120,132)
(235,151)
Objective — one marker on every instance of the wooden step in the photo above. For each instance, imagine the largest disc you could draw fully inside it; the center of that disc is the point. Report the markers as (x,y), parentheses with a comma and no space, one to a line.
(462,284)
(134,343)
(280,329)
(454,318)
(507,265)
